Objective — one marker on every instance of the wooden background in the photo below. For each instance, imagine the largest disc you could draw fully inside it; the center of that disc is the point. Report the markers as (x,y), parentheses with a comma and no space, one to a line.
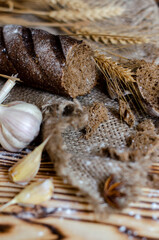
(68,215)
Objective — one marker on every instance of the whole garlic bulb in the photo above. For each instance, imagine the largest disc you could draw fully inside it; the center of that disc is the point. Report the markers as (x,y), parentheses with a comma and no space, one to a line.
(19,125)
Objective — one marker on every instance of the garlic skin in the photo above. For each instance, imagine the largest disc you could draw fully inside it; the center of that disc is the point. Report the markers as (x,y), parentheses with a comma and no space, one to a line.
(35,193)
(19,125)
(25,169)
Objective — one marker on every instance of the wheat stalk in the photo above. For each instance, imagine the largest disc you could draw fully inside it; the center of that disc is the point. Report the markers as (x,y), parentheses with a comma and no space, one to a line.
(89,14)
(71,15)
(7,19)
(70,4)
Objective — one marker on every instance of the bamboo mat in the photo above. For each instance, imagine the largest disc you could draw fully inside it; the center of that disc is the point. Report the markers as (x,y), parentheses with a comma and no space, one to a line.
(68,215)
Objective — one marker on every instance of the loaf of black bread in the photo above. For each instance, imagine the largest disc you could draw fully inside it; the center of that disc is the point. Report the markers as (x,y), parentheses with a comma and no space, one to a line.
(56,63)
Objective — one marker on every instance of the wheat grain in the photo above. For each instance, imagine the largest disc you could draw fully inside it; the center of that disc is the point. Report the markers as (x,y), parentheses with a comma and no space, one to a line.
(89,14)
(70,4)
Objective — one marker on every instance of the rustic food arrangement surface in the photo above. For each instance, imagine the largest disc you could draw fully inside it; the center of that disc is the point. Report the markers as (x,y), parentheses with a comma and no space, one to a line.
(69,215)
(86,90)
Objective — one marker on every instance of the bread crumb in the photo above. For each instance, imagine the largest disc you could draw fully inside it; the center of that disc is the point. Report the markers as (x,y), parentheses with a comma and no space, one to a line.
(147,80)
(126,113)
(97,114)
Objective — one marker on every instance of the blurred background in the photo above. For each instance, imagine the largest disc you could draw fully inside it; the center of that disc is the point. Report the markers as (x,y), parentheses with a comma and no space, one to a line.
(119,28)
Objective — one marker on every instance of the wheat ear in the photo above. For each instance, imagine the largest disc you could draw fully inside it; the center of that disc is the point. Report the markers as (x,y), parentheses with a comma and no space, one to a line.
(119,80)
(65,15)
(115,71)
(110,38)
(116,76)
(89,14)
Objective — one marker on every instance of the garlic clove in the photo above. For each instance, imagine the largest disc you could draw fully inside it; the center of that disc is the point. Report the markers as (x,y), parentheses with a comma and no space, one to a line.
(35,193)
(23,126)
(5,144)
(14,142)
(26,107)
(25,170)
(20,121)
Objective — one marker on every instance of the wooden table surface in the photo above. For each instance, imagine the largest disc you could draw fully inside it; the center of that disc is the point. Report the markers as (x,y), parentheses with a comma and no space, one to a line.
(69,215)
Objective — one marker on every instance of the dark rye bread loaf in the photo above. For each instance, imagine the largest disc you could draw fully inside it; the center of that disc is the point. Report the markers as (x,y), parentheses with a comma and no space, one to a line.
(59,64)
(5,64)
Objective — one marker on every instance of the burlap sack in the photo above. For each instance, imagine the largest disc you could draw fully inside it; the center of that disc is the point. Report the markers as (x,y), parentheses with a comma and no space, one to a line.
(77,159)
